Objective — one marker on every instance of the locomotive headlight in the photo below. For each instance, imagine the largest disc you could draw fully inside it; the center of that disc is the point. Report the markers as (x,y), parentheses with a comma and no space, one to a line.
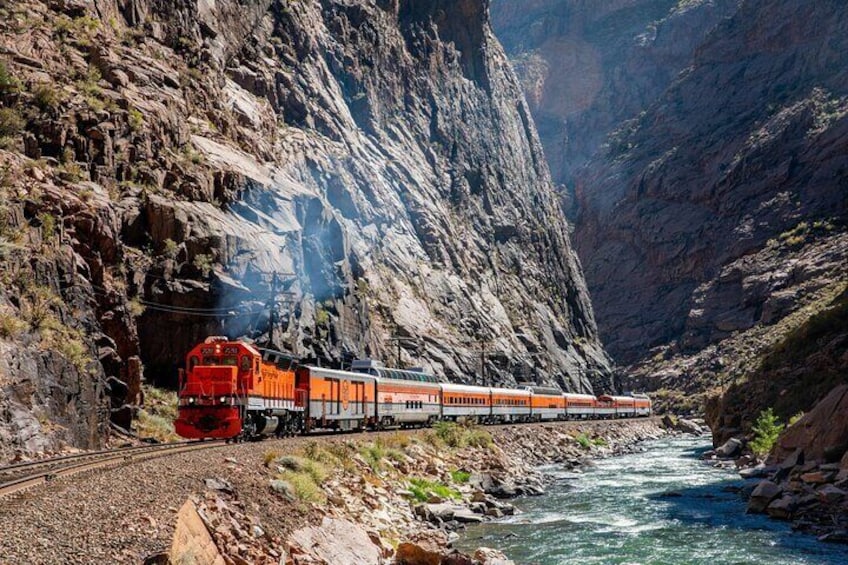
(223,400)
(191,399)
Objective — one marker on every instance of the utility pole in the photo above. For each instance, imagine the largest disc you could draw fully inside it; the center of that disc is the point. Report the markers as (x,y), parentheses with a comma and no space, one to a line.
(275,289)
(273,306)
(483,343)
(398,339)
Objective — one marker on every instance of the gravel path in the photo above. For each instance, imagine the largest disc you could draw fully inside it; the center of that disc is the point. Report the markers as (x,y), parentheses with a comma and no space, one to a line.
(123,514)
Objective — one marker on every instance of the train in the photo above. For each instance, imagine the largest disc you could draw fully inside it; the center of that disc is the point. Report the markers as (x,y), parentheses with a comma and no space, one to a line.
(234,390)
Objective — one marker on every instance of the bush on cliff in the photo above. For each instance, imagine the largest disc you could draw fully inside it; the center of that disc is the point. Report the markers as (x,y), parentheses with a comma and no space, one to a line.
(766,430)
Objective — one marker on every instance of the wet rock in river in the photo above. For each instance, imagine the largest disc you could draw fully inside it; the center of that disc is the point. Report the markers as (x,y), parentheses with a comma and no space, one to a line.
(763,494)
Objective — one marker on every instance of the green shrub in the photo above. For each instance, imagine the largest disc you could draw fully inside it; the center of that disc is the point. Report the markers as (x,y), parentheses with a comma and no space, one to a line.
(794,419)
(135,120)
(583,440)
(422,489)
(460,477)
(204,263)
(322,317)
(456,436)
(476,437)
(170,248)
(304,486)
(449,433)
(154,426)
(766,431)
(11,122)
(48,226)
(373,454)
(8,83)
(46,97)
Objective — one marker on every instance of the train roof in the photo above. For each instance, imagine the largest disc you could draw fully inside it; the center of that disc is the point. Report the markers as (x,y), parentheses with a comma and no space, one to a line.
(575,395)
(405,375)
(543,390)
(336,374)
(451,387)
(510,391)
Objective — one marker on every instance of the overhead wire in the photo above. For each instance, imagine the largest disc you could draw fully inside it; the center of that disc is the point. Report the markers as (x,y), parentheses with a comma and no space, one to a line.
(216,312)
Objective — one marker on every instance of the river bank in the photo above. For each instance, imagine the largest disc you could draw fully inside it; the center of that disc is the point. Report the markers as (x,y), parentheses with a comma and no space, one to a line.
(402,497)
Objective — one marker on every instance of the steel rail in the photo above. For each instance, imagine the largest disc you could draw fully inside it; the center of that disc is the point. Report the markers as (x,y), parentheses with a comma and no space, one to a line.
(58,467)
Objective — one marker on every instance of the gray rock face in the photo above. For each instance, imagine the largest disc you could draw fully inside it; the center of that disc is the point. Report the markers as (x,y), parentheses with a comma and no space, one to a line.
(381,152)
(406,191)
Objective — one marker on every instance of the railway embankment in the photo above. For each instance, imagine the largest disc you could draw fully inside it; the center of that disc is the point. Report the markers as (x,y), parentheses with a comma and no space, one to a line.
(398,497)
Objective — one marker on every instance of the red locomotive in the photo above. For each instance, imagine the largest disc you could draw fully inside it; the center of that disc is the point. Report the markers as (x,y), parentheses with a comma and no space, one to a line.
(231,389)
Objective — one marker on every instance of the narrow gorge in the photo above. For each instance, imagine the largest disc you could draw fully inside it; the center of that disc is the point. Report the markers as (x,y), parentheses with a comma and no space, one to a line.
(225,221)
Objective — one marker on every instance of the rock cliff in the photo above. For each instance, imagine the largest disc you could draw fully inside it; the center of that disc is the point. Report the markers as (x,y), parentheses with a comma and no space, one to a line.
(587,67)
(711,199)
(162,160)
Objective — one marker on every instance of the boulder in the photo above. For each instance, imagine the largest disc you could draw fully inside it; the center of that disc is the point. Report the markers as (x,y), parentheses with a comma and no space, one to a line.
(760,471)
(818,477)
(219,484)
(488,556)
(821,431)
(466,516)
(335,541)
(763,494)
(689,427)
(830,494)
(192,541)
(729,449)
(793,459)
(422,548)
(781,508)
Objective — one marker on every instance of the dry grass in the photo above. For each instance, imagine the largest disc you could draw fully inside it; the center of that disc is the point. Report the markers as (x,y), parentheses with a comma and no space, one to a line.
(156,419)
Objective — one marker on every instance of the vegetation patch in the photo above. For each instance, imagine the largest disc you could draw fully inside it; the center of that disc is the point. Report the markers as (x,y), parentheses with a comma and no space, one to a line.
(11,324)
(766,430)
(304,486)
(460,477)
(422,490)
(373,454)
(155,420)
(457,436)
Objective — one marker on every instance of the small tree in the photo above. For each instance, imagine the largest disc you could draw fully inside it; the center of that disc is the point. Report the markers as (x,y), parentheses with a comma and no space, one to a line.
(766,430)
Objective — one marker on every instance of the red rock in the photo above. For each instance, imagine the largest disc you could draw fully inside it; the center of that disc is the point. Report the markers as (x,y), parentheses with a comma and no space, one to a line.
(825,426)
(817,477)
(422,548)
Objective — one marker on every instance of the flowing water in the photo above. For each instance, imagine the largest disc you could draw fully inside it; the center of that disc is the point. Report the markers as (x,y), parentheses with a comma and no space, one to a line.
(663,506)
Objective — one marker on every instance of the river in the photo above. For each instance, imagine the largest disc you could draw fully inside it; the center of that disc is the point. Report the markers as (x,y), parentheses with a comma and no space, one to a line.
(662,506)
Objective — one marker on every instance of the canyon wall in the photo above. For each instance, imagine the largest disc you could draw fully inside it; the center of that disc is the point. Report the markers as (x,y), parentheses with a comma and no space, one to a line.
(170,168)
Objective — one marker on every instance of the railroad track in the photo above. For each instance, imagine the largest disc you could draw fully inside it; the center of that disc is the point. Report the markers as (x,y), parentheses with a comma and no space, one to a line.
(20,476)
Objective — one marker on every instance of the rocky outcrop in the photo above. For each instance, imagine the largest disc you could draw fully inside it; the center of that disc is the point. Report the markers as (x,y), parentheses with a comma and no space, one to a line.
(808,478)
(401,498)
(379,156)
(734,154)
(727,161)
(794,374)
